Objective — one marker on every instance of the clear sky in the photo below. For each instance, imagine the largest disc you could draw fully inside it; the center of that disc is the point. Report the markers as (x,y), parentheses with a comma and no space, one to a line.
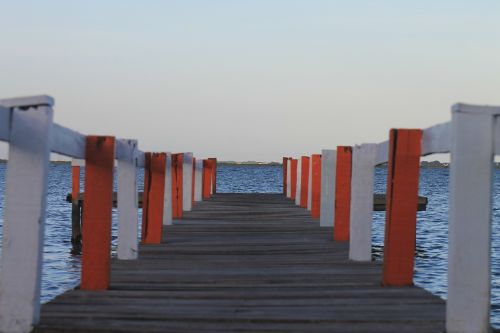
(251,80)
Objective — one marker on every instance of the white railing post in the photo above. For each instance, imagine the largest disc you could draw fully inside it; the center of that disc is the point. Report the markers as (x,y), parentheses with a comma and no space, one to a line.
(471,175)
(198,181)
(187,182)
(127,205)
(328,169)
(167,197)
(24,213)
(362,183)
(298,185)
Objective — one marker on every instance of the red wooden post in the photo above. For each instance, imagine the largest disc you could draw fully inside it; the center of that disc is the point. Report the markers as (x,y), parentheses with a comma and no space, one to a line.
(193,178)
(304,181)
(343,193)
(207,179)
(214,174)
(316,185)
(402,202)
(153,197)
(293,179)
(98,198)
(177,166)
(285,174)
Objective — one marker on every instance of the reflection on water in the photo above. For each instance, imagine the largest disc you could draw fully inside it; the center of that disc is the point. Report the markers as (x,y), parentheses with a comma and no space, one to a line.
(61,270)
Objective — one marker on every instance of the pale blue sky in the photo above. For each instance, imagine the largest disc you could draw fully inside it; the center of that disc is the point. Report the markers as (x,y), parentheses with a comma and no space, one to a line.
(251,80)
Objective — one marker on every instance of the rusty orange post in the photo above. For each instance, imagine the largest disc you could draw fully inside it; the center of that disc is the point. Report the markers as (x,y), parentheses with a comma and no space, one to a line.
(177,168)
(98,198)
(316,185)
(304,181)
(293,178)
(214,174)
(207,179)
(285,174)
(153,197)
(402,202)
(343,193)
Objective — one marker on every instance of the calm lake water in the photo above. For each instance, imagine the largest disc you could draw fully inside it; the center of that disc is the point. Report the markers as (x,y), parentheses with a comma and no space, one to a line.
(61,270)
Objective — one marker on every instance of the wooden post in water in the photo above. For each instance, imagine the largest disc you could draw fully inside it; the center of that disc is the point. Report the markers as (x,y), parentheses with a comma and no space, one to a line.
(402,201)
(304,181)
(342,193)
(177,182)
(154,191)
(293,170)
(328,170)
(475,139)
(214,175)
(28,131)
(362,184)
(76,217)
(316,185)
(285,173)
(207,179)
(98,198)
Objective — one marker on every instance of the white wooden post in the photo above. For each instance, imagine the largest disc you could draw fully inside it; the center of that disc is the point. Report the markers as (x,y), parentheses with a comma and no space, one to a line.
(25,207)
(289,179)
(187,182)
(471,175)
(309,185)
(167,197)
(198,182)
(362,183)
(127,206)
(299,182)
(328,168)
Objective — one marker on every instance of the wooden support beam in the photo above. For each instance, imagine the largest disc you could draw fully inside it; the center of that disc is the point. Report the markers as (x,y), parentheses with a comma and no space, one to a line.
(187,182)
(342,193)
(402,201)
(167,196)
(98,196)
(154,191)
(198,189)
(298,186)
(76,227)
(316,185)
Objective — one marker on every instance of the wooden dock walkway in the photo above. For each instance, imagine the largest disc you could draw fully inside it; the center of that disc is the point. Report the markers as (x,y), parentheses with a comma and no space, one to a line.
(245,263)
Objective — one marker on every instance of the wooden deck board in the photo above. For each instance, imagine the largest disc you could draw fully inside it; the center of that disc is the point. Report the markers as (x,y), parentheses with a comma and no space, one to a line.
(245,263)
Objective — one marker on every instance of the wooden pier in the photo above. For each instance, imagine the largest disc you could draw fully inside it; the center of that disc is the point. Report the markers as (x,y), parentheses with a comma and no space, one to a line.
(245,263)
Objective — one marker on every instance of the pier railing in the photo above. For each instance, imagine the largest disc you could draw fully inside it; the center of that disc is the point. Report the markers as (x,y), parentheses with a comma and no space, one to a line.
(473,139)
(26,124)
